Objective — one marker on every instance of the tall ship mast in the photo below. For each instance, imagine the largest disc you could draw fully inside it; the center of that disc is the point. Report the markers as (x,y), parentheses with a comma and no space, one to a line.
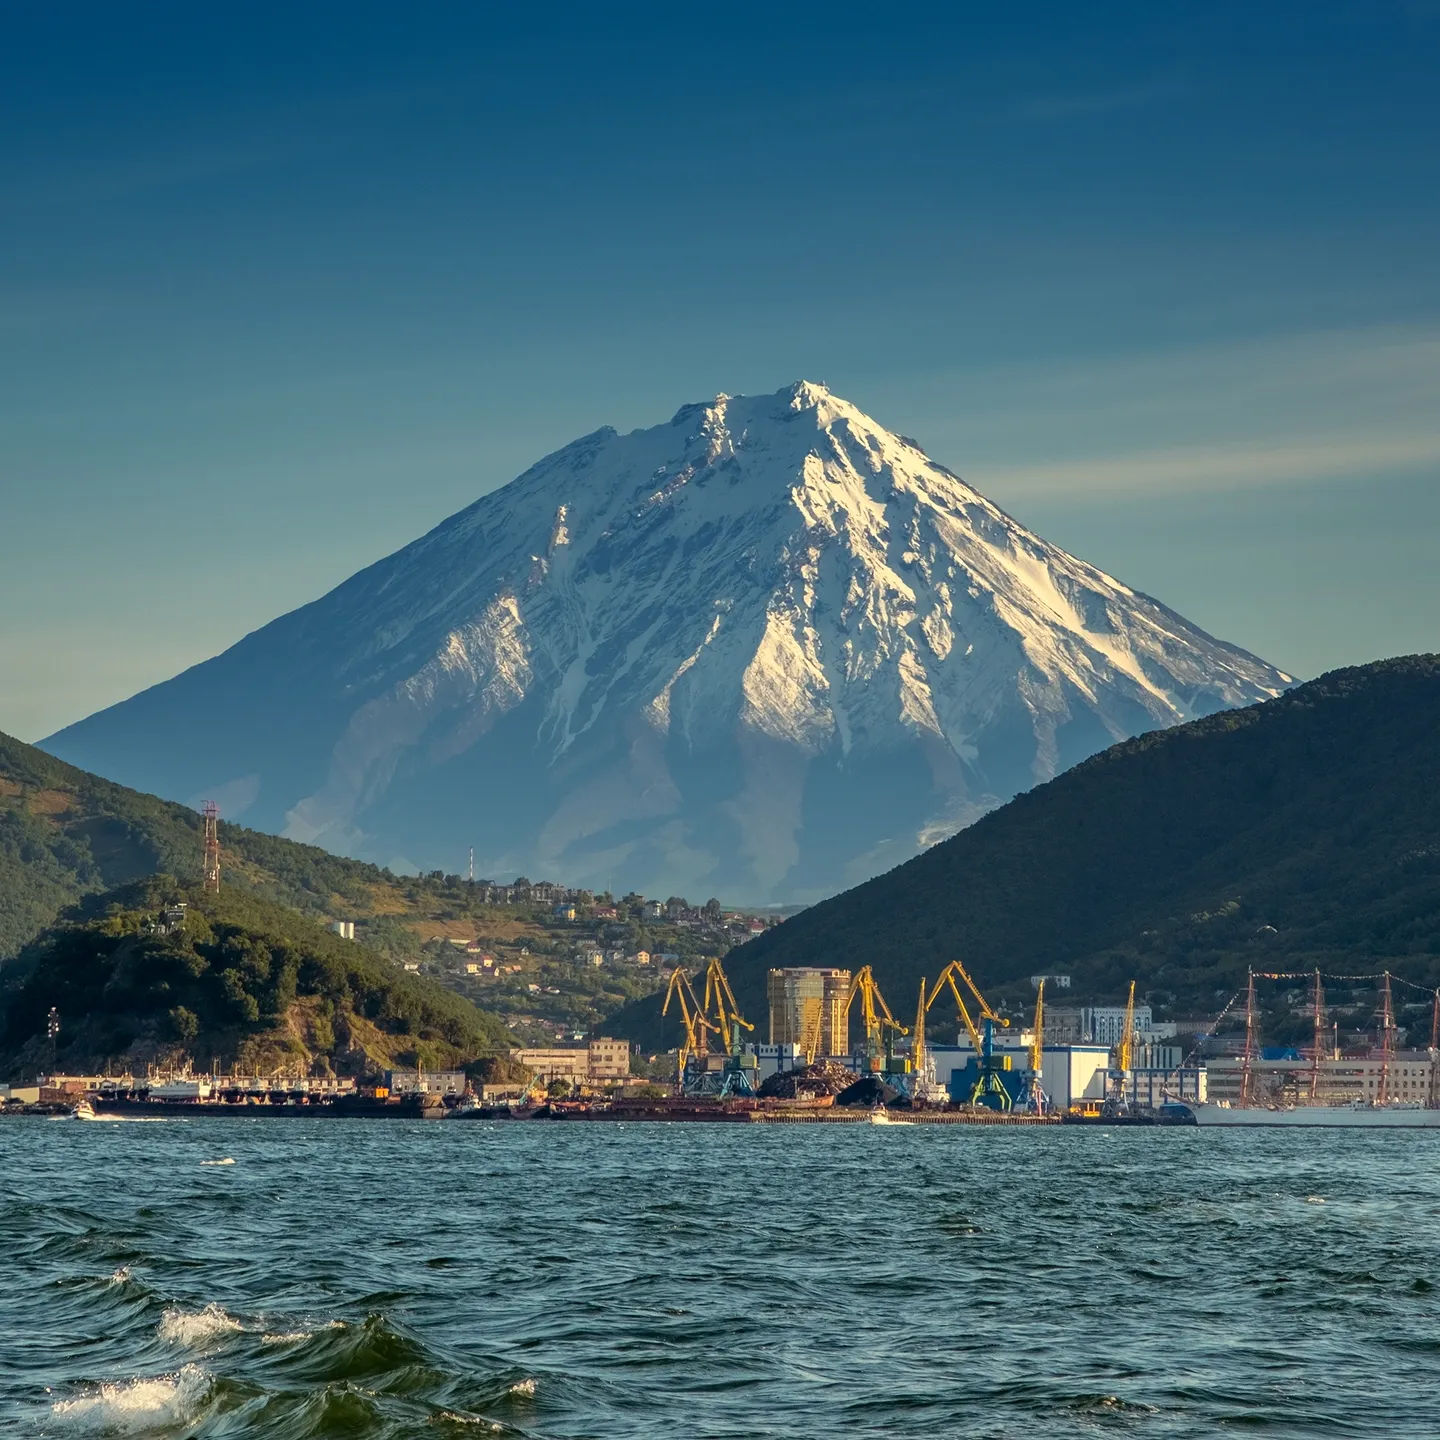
(1378,1085)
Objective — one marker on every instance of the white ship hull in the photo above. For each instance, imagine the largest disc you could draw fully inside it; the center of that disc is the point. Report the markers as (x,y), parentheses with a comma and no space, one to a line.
(1349,1117)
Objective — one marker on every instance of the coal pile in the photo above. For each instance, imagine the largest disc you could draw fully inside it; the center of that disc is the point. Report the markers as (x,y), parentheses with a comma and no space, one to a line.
(813,1082)
(869,1092)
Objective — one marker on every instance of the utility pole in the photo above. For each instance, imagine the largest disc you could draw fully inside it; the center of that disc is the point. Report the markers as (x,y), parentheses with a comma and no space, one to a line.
(1319,1002)
(472,864)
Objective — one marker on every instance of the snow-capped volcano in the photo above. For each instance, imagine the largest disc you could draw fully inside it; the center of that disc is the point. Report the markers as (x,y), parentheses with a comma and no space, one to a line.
(763,651)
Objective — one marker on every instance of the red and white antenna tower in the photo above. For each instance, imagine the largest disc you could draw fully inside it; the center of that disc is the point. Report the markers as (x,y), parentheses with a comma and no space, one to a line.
(212,847)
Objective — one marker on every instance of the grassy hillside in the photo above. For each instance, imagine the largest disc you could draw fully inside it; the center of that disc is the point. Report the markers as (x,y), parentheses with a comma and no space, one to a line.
(65,834)
(243,980)
(1298,833)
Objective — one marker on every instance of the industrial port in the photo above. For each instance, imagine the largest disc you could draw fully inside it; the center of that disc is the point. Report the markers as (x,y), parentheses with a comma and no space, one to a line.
(836,1052)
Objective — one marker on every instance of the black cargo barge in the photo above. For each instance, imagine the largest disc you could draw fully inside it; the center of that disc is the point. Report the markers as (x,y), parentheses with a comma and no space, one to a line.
(336,1107)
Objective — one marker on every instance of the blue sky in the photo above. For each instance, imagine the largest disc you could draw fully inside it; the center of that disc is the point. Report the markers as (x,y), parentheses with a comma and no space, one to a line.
(279,291)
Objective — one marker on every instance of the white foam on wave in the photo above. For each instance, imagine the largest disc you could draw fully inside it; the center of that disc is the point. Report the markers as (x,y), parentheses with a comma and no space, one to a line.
(226,1161)
(195,1327)
(523,1387)
(294,1337)
(120,1276)
(131,1406)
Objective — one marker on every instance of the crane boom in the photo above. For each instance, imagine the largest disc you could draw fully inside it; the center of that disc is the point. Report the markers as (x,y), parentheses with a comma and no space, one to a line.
(990,1088)
(1037,1039)
(692,1017)
(874,1012)
(810,1034)
(720,1001)
(1123,1051)
(984,1008)
(917,1044)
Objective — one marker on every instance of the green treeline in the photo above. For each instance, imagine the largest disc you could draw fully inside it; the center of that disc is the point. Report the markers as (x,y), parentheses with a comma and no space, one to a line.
(240,977)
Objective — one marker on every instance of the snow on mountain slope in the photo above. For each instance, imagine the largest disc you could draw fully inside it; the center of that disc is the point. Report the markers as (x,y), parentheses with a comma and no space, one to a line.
(763,651)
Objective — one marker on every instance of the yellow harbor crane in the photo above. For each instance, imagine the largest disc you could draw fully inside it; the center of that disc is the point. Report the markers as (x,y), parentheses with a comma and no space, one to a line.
(692,1018)
(1037,1035)
(983,1007)
(922,1062)
(918,1055)
(1122,1052)
(720,1002)
(1037,1096)
(718,1014)
(990,1089)
(810,1033)
(880,1025)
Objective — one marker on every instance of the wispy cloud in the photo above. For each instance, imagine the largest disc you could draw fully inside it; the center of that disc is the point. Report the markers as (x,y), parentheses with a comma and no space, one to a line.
(1271,410)
(1216,467)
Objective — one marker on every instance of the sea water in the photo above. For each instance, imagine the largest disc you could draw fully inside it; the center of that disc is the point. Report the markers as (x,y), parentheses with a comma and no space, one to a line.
(383,1279)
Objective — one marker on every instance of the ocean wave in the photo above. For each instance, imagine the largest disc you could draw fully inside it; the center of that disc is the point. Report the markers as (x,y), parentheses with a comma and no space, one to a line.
(193,1328)
(141,1404)
(346,1352)
(294,1337)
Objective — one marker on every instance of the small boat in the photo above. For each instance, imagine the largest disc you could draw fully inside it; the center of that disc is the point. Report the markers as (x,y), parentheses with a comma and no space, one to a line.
(882,1116)
(84,1110)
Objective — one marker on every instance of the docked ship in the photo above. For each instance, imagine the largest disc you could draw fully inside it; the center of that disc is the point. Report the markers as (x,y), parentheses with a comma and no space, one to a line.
(1385,1088)
(1357,1115)
(188,1097)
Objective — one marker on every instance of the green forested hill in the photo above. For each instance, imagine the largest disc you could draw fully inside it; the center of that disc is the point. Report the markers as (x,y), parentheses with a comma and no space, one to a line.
(1304,831)
(65,833)
(242,980)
